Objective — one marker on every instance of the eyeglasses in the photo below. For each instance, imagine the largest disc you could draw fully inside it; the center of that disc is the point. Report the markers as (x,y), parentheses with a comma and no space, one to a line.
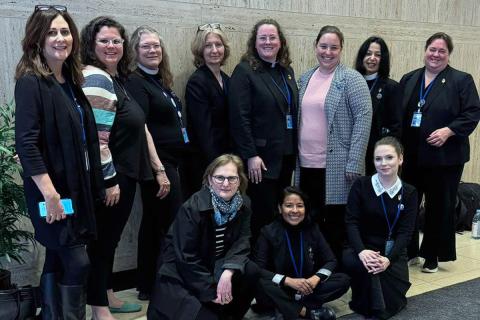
(113,42)
(267,38)
(148,47)
(221,179)
(45,7)
(208,26)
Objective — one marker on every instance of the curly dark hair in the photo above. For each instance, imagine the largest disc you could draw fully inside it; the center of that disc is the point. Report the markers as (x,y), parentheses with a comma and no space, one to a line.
(88,36)
(251,55)
(36,30)
(384,68)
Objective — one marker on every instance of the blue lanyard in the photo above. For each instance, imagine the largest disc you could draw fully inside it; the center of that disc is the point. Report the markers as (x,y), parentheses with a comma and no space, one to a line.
(423,95)
(292,257)
(172,101)
(286,94)
(374,84)
(399,207)
(80,112)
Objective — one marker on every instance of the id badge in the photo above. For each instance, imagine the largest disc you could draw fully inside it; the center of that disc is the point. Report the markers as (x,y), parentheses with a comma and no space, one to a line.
(416,119)
(185,135)
(389,246)
(289,121)
(298,296)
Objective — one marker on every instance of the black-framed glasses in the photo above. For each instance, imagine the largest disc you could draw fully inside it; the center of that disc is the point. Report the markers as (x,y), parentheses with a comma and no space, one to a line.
(221,179)
(45,7)
(208,26)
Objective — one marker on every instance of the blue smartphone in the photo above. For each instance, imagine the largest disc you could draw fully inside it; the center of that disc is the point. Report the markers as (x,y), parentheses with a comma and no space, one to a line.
(66,203)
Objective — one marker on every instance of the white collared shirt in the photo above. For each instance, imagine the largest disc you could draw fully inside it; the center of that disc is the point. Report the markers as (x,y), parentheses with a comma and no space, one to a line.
(379,189)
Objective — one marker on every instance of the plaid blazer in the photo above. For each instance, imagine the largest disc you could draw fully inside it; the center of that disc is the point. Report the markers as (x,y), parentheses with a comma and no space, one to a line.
(348,108)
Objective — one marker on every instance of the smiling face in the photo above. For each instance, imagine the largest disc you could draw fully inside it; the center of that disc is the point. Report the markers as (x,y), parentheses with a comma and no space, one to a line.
(225,190)
(328,51)
(149,51)
(387,160)
(436,56)
(213,50)
(372,58)
(110,53)
(292,209)
(267,42)
(58,42)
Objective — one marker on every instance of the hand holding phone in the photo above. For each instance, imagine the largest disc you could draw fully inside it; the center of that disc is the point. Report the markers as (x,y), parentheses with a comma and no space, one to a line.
(66,203)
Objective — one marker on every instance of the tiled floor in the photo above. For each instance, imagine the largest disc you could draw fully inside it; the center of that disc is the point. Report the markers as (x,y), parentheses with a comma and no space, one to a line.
(466,267)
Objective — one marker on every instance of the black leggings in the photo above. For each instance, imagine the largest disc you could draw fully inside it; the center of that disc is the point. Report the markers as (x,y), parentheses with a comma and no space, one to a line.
(71,263)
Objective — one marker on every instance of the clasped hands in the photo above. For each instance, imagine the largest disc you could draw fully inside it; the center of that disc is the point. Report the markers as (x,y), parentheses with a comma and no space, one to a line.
(373,261)
(302,285)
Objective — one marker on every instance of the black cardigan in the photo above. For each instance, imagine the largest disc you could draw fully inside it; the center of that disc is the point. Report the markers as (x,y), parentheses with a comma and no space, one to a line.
(48,141)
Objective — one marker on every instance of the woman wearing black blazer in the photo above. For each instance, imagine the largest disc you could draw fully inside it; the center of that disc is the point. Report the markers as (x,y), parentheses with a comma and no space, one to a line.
(56,140)
(373,62)
(206,95)
(262,102)
(442,109)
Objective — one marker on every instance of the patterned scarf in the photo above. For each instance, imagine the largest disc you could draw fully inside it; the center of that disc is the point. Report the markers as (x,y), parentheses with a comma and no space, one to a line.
(225,211)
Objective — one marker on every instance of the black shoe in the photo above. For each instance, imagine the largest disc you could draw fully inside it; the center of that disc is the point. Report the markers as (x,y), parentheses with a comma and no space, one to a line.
(50,297)
(430,266)
(143,296)
(324,313)
(73,301)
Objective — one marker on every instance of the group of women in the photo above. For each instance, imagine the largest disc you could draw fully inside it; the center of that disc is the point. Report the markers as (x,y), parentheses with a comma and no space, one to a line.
(96,114)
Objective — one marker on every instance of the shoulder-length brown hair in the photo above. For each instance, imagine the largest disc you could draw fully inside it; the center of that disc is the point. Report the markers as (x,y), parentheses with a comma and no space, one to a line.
(224,160)
(36,30)
(251,55)
(198,45)
(89,34)
(164,68)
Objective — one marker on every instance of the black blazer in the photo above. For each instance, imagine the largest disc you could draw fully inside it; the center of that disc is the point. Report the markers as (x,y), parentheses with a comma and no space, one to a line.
(207,113)
(387,96)
(452,102)
(48,140)
(258,115)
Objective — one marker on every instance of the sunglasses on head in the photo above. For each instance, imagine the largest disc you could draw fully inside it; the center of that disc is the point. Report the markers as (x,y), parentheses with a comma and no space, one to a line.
(209,26)
(45,7)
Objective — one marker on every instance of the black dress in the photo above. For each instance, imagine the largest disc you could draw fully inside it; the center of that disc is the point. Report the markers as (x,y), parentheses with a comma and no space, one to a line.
(381,295)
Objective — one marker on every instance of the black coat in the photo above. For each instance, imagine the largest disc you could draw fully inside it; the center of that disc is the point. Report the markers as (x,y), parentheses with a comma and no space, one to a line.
(189,255)
(207,113)
(258,115)
(452,102)
(387,115)
(48,141)
(272,253)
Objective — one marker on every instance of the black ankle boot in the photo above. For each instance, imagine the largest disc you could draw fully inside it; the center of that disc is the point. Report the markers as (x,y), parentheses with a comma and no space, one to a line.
(73,301)
(50,297)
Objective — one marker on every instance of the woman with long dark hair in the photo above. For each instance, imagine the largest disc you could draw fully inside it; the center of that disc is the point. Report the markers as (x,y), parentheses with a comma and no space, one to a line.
(56,140)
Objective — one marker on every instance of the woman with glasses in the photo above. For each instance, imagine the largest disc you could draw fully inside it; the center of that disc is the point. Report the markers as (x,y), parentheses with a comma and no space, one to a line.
(441,109)
(262,110)
(334,120)
(206,97)
(127,152)
(57,143)
(298,265)
(150,84)
(373,62)
(206,273)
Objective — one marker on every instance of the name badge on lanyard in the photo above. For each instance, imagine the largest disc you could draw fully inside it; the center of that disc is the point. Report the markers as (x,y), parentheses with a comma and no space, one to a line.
(416,119)
(389,243)
(417,115)
(289,121)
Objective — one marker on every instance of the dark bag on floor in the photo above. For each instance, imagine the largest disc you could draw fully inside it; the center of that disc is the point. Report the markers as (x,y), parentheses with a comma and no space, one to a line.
(469,196)
(18,303)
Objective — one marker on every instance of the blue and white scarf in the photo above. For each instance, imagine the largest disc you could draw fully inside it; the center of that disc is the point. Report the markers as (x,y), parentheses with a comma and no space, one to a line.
(225,211)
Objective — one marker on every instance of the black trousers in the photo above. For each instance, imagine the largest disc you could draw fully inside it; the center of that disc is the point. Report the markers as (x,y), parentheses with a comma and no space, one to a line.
(71,264)
(157,216)
(264,197)
(284,297)
(440,186)
(330,218)
(110,224)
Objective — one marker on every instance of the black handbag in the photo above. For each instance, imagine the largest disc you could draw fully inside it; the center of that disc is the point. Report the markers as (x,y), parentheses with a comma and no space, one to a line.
(18,303)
